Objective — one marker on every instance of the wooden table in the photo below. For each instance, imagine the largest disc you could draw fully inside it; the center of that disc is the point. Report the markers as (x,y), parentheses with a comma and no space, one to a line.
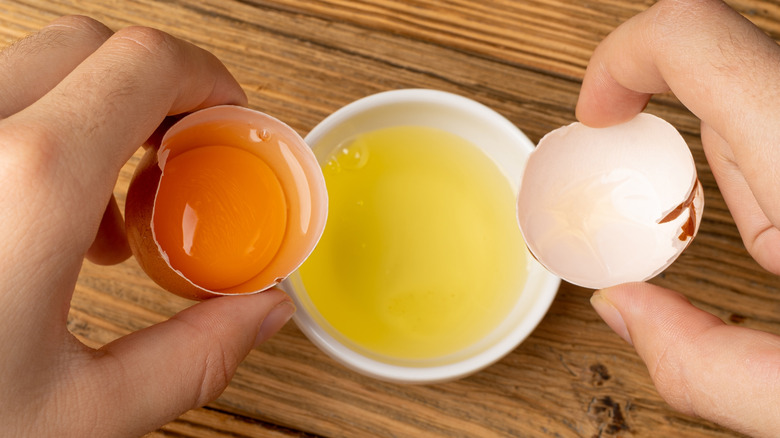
(302,59)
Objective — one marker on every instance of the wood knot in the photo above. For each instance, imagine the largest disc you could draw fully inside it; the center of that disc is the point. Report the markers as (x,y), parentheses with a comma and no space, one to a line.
(737,318)
(608,415)
(599,374)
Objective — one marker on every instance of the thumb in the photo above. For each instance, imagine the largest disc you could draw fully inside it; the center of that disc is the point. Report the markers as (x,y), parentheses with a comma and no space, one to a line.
(700,366)
(152,376)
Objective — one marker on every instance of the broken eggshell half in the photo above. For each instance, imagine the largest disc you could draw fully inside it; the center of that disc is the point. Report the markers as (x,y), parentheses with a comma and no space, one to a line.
(604,206)
(265,137)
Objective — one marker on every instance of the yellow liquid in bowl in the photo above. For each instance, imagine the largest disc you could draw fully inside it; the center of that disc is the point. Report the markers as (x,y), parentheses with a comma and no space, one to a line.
(422,256)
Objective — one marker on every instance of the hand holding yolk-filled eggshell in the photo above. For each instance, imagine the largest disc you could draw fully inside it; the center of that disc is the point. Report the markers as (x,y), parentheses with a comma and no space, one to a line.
(600,207)
(232,203)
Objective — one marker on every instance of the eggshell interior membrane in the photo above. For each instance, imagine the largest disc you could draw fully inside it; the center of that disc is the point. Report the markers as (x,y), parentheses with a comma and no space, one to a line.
(604,206)
(295,166)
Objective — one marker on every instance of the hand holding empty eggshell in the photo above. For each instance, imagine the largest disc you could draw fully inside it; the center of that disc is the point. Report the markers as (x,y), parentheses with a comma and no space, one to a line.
(726,72)
(77,101)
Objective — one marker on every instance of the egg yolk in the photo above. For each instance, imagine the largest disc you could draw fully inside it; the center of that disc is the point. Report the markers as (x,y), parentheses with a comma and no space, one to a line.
(219,216)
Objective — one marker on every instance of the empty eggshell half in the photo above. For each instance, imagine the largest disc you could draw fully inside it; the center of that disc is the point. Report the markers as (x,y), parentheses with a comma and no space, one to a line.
(604,206)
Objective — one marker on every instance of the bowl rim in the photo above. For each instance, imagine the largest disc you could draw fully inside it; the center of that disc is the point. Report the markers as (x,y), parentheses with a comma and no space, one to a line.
(547,283)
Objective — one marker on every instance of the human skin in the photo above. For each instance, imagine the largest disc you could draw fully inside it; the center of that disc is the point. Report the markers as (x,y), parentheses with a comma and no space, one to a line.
(727,72)
(76,101)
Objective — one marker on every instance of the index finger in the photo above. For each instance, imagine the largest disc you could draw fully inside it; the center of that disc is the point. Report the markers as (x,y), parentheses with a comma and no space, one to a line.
(722,68)
(60,156)
(121,93)
(716,62)
(91,123)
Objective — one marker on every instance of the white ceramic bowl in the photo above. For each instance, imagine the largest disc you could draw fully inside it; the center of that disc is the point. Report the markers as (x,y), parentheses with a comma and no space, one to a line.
(508,147)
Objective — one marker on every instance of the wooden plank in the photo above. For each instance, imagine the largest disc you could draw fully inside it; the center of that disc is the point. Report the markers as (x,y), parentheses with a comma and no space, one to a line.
(208,422)
(301,60)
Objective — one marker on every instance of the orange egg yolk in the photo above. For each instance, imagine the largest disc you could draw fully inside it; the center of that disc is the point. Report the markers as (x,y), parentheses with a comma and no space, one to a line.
(219,216)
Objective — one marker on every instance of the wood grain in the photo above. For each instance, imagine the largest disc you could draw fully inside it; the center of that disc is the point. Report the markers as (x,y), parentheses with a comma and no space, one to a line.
(302,59)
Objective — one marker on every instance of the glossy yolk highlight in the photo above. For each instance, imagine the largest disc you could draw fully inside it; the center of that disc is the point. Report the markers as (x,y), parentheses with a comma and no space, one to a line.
(220,215)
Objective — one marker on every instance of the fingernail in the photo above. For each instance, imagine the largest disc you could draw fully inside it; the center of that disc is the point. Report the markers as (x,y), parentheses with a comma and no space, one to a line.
(610,314)
(276,318)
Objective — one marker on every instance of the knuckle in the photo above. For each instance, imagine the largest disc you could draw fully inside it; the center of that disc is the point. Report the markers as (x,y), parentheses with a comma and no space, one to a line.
(208,376)
(153,41)
(70,32)
(85,27)
(149,47)
(679,14)
(35,174)
(673,21)
(671,384)
(218,369)
(27,154)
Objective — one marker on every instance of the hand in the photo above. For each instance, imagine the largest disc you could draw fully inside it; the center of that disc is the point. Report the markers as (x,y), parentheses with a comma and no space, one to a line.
(76,101)
(726,72)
